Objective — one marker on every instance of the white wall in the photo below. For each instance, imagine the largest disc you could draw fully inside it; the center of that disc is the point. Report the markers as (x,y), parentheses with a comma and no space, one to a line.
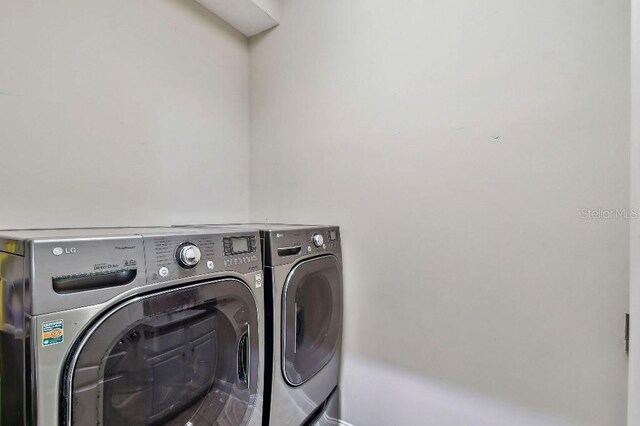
(456,143)
(634,241)
(121,112)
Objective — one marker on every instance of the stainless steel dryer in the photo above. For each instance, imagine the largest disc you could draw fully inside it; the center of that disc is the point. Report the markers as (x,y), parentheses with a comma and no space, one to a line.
(303,267)
(131,327)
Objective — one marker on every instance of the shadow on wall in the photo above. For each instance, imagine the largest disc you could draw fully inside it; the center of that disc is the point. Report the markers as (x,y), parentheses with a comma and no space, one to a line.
(374,387)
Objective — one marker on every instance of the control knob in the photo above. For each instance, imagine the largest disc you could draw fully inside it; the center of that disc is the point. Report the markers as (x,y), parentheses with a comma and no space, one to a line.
(188,255)
(317,240)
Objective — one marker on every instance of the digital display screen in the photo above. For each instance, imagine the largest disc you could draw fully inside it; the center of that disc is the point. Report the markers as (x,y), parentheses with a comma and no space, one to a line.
(333,235)
(240,245)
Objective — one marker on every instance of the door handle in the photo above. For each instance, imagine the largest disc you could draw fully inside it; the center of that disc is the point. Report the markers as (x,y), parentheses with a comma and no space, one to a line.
(244,358)
(289,251)
(94,281)
(299,328)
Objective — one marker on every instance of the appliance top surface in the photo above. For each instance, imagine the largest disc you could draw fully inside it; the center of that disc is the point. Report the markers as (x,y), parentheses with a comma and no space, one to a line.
(267,227)
(13,240)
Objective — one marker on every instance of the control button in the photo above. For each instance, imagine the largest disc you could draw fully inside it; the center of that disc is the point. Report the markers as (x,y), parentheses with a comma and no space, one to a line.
(188,255)
(210,264)
(309,249)
(163,272)
(317,239)
(324,246)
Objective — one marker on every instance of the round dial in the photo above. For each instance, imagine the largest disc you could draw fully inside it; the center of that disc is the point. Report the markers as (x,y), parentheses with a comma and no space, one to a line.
(188,255)
(317,240)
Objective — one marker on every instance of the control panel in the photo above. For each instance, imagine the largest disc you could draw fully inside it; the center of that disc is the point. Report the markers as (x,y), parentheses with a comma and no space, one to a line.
(239,245)
(323,239)
(287,245)
(171,257)
(106,266)
(239,250)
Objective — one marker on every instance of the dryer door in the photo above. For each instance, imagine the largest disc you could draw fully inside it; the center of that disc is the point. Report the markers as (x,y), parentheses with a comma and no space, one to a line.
(311,317)
(187,356)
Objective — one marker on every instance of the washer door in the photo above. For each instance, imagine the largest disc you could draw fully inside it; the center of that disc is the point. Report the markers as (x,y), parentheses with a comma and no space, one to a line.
(311,317)
(187,356)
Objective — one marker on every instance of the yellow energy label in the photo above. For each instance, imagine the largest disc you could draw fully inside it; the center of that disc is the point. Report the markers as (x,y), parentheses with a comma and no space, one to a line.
(52,332)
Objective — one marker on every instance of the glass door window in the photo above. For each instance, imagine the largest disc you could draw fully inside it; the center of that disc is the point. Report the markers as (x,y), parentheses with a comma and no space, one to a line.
(312,316)
(182,357)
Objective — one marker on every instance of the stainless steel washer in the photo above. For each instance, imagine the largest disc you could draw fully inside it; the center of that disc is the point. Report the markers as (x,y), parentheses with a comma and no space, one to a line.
(131,327)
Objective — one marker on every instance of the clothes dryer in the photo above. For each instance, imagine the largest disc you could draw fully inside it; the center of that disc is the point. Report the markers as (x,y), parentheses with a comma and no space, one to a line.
(303,273)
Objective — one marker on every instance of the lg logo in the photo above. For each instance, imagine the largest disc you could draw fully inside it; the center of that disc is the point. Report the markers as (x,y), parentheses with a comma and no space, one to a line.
(57,251)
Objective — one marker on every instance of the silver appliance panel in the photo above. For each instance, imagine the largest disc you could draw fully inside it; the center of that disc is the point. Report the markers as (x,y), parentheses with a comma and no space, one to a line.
(81,264)
(61,281)
(286,246)
(14,335)
(162,264)
(48,360)
(291,405)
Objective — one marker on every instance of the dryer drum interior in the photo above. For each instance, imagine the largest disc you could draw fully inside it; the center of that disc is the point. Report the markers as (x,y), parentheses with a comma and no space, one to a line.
(312,313)
(186,356)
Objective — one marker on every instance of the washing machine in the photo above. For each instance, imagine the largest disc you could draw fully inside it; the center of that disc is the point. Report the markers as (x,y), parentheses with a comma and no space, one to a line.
(131,327)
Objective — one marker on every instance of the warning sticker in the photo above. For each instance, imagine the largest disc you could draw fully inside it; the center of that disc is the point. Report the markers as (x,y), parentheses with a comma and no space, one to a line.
(52,332)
